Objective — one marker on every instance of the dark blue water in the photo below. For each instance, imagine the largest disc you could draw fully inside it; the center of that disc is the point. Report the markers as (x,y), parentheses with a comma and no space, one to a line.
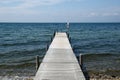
(96,37)
(21,42)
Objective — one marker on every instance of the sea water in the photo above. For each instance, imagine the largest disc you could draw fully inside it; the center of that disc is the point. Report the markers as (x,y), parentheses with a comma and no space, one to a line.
(21,42)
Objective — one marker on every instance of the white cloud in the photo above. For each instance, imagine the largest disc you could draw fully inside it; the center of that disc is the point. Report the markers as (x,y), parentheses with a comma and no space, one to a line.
(93,14)
(111,14)
(26,6)
(27,3)
(101,14)
(40,9)
(23,6)
(32,3)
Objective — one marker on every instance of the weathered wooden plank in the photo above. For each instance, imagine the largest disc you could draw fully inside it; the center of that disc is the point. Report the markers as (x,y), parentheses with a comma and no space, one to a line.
(59,62)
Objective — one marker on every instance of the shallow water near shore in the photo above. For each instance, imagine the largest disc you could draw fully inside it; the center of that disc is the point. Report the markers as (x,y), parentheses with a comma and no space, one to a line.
(21,42)
(103,66)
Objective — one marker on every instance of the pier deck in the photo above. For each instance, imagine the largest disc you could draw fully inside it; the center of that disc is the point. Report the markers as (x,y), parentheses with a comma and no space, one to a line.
(59,62)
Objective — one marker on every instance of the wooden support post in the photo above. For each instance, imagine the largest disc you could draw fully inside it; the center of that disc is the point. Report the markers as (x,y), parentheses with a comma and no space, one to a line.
(70,39)
(54,34)
(37,62)
(73,48)
(51,39)
(67,34)
(81,60)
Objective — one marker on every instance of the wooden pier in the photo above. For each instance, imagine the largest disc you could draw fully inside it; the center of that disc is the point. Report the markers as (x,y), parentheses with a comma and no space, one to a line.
(60,62)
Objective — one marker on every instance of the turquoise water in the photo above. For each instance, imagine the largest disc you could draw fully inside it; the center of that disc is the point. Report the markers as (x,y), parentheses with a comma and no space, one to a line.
(21,42)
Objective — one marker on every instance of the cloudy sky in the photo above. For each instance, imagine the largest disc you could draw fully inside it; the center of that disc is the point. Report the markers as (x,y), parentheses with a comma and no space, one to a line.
(59,10)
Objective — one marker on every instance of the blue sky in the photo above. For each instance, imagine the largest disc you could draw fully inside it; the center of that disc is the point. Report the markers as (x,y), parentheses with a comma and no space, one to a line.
(59,10)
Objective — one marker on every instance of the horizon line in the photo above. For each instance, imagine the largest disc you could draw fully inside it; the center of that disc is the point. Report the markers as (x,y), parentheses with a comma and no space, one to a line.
(60,22)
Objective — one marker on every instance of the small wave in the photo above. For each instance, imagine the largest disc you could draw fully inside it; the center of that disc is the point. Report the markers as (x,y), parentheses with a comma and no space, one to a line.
(16,57)
(23,65)
(100,55)
(25,43)
(24,53)
(1,55)
(24,60)
(104,54)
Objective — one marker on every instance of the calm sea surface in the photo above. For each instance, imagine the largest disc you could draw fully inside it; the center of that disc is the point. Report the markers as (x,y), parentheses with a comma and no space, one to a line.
(21,42)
